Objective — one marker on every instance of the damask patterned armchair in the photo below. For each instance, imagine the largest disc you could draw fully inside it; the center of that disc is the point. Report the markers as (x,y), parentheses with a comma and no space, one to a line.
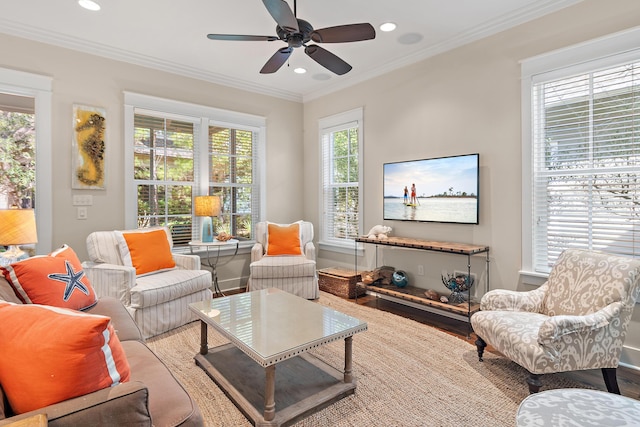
(576,320)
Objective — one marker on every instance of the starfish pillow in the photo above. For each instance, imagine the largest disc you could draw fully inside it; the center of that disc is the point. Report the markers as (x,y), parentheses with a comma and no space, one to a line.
(56,279)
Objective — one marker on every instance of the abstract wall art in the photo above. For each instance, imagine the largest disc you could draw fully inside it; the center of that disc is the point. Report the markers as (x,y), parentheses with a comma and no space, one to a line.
(89,126)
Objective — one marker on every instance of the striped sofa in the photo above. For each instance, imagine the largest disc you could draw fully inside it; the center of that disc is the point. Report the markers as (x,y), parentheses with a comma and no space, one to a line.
(158,302)
(295,274)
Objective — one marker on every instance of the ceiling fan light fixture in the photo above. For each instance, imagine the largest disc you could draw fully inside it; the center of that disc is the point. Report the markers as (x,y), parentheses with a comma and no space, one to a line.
(299,70)
(89,5)
(388,26)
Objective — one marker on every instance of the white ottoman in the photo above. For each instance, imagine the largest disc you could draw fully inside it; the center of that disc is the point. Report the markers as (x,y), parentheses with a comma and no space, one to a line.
(578,407)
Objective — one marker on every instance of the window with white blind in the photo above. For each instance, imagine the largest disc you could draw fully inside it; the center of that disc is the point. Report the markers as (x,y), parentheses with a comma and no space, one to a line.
(341,145)
(232,157)
(164,173)
(585,159)
(178,151)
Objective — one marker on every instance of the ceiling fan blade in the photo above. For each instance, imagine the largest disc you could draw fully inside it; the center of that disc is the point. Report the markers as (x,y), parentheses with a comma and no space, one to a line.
(327,59)
(282,13)
(240,37)
(344,33)
(275,62)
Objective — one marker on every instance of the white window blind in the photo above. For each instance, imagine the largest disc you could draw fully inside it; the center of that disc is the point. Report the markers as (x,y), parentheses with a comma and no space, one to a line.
(164,170)
(341,186)
(233,158)
(586,163)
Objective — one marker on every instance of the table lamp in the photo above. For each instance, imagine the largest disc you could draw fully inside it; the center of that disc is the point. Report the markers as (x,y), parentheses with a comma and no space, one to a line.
(206,207)
(17,227)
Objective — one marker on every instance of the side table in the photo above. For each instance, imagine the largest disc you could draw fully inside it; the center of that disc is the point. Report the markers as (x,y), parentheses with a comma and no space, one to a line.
(212,262)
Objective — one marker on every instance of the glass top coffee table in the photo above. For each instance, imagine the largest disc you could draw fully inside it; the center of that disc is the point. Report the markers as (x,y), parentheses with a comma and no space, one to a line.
(267,328)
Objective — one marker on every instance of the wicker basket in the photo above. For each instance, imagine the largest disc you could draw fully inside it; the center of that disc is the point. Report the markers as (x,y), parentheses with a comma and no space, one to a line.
(340,282)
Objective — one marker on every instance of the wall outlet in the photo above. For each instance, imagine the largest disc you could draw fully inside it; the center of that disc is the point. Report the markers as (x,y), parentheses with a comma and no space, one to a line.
(82,212)
(420,270)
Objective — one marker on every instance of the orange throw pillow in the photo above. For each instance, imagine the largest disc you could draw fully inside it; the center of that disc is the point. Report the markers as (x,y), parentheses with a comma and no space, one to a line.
(51,354)
(147,251)
(283,239)
(56,279)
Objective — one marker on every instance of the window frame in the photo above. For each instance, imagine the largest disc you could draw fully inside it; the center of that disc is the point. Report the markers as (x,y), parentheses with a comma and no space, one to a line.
(328,125)
(604,52)
(40,88)
(203,117)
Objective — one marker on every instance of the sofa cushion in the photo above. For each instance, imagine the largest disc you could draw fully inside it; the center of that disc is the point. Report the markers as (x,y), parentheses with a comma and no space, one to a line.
(6,291)
(125,326)
(168,286)
(283,239)
(61,354)
(56,279)
(148,251)
(280,267)
(169,403)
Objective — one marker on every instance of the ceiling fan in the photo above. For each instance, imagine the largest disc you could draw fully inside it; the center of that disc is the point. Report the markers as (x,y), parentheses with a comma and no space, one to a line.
(298,32)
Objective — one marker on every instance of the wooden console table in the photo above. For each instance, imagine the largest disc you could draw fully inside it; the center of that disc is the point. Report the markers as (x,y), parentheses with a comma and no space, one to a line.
(414,296)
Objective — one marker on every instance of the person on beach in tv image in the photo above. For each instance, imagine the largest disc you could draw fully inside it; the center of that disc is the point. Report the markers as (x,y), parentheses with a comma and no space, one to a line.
(448,187)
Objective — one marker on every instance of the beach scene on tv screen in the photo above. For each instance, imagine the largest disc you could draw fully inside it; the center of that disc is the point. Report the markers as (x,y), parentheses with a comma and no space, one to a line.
(439,190)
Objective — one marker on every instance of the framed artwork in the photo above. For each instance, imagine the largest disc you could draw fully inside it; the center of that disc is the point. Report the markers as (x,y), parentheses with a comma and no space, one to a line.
(89,125)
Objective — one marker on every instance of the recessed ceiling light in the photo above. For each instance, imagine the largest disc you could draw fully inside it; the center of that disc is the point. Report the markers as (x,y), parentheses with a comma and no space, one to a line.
(387,26)
(299,70)
(89,5)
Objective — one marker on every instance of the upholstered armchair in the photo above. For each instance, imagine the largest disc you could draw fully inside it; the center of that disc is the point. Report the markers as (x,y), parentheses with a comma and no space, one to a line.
(576,320)
(284,257)
(154,284)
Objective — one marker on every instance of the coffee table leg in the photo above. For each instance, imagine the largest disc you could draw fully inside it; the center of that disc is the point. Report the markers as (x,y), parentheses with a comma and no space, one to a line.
(348,359)
(270,393)
(204,345)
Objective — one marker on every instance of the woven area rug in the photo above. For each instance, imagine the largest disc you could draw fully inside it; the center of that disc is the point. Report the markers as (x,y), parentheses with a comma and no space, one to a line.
(408,374)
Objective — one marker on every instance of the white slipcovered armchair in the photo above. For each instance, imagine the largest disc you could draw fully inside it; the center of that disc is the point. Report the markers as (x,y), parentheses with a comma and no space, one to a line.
(158,301)
(576,320)
(295,274)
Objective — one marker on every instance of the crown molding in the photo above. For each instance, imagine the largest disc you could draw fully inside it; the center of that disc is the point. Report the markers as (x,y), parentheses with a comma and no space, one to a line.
(488,29)
(492,27)
(53,38)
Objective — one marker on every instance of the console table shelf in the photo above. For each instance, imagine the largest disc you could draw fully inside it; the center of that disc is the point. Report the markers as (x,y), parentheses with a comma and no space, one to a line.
(414,296)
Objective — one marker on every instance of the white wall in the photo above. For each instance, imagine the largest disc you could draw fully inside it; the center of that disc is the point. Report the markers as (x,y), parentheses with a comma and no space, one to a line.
(463,101)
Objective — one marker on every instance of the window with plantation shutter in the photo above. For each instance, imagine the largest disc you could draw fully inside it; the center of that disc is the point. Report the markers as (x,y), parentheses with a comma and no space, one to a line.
(164,173)
(179,151)
(585,159)
(341,144)
(232,154)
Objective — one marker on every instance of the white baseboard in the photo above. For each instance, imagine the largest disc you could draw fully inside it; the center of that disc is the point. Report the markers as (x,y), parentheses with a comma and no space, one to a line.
(630,358)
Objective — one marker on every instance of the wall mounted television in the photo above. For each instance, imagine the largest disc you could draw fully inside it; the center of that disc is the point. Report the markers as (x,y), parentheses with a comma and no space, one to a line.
(446,190)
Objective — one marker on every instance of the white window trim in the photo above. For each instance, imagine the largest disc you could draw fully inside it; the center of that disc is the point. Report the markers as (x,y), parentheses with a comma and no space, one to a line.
(607,51)
(186,111)
(324,125)
(38,87)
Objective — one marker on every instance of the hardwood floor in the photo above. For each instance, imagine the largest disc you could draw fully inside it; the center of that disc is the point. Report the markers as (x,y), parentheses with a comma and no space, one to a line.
(628,379)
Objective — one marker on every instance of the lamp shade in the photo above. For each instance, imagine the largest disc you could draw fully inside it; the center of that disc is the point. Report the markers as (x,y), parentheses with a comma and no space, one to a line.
(17,227)
(207,205)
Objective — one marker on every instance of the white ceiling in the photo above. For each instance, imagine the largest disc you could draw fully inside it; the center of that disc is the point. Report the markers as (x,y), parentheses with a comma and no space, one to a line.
(170,35)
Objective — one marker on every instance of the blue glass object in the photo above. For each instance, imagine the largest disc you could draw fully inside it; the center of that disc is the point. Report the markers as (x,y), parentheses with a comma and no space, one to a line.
(207,229)
(400,279)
